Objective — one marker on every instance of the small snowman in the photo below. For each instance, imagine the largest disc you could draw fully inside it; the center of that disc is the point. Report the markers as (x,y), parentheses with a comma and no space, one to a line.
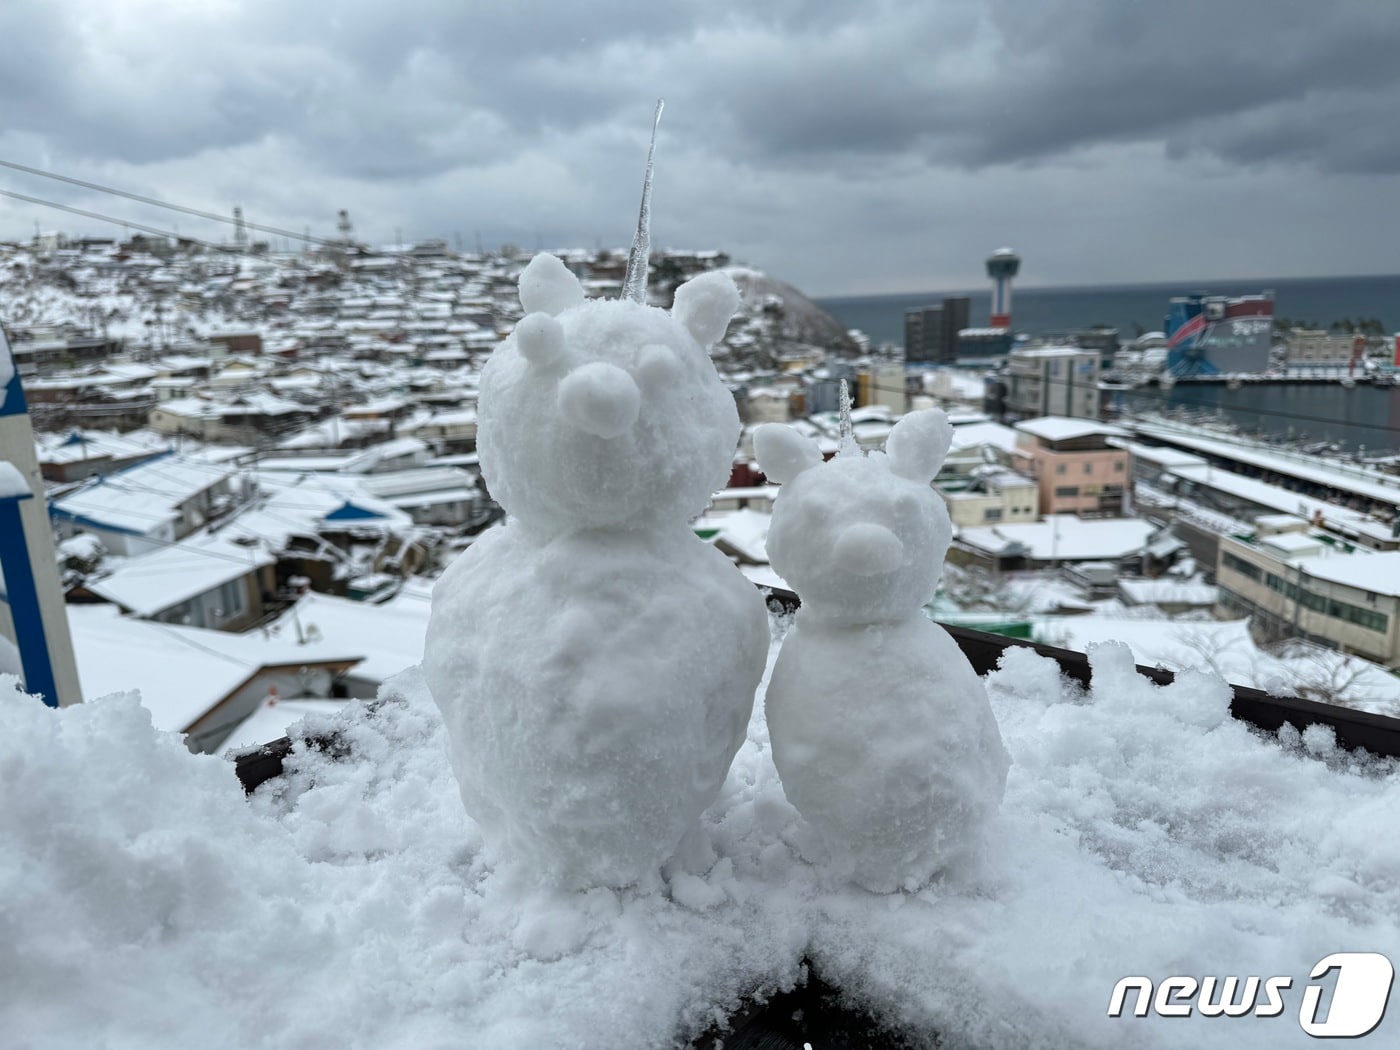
(594,660)
(881,730)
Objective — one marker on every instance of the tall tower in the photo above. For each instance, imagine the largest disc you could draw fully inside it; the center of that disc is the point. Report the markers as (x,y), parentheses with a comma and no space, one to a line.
(1002,265)
(347,231)
(240,231)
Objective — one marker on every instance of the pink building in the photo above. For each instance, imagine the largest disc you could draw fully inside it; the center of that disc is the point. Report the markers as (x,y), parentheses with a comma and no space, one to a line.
(1076,470)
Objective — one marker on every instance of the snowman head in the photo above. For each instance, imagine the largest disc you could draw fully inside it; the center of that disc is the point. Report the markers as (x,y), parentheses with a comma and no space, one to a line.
(861,538)
(607,413)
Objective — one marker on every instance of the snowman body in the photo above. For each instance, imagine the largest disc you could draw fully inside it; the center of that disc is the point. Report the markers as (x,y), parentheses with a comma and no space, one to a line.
(595,662)
(881,731)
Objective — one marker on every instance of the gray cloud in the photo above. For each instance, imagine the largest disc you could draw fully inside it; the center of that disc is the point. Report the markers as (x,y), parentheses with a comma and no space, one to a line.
(789,129)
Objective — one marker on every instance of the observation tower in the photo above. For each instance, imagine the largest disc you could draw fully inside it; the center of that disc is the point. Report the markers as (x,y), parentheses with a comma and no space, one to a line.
(1002,265)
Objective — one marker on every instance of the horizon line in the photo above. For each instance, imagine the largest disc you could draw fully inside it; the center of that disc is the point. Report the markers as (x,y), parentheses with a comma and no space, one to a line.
(1186,285)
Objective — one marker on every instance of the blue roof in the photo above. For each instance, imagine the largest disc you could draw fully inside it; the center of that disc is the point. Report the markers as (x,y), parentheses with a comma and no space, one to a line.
(349,511)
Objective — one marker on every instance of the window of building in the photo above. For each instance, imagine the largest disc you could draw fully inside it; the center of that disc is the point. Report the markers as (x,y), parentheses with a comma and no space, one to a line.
(1067,491)
(1088,468)
(1059,468)
(992,514)
(1244,568)
(231,600)
(1118,467)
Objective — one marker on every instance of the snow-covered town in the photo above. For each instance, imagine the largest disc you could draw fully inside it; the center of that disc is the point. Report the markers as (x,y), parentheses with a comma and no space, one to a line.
(227,581)
(259,461)
(431,620)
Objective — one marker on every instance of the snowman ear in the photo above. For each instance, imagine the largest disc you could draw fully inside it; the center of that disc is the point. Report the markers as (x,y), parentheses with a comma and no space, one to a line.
(919,443)
(541,340)
(547,285)
(783,453)
(705,305)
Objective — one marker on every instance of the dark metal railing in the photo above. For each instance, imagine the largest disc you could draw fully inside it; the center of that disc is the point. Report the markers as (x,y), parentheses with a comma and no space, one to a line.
(1354,729)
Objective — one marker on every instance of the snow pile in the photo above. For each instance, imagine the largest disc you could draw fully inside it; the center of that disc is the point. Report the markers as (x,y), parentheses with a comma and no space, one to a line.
(595,661)
(1226,648)
(882,733)
(12,483)
(143,901)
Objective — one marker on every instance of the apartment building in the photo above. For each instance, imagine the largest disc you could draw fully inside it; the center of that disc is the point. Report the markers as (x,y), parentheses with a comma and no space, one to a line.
(1300,584)
(1075,468)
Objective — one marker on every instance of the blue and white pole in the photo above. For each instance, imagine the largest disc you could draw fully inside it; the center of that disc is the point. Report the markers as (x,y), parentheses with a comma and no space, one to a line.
(32,612)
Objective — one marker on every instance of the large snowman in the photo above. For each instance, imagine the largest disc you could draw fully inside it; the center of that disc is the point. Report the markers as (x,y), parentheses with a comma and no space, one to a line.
(880,729)
(595,661)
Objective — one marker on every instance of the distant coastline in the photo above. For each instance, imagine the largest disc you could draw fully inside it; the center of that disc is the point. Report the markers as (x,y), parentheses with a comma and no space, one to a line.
(1053,310)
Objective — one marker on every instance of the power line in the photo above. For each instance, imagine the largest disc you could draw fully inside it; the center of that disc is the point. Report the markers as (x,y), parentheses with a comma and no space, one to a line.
(156,202)
(157,231)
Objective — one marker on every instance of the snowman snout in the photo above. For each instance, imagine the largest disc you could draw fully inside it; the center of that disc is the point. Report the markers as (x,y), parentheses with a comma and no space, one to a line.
(868,549)
(600,399)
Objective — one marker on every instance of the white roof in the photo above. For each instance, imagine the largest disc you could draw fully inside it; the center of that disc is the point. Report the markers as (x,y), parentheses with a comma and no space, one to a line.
(1063,428)
(744,531)
(1378,572)
(1162,455)
(178,679)
(454,418)
(1166,591)
(141,498)
(1291,542)
(1285,501)
(418,481)
(151,583)
(297,505)
(1369,483)
(388,636)
(975,435)
(181,671)
(391,449)
(79,445)
(1054,351)
(1065,537)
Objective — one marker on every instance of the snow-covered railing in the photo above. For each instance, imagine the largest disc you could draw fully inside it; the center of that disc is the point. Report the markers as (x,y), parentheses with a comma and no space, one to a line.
(1354,729)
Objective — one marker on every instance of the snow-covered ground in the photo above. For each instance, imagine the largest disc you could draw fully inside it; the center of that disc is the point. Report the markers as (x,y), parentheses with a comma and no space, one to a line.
(145,902)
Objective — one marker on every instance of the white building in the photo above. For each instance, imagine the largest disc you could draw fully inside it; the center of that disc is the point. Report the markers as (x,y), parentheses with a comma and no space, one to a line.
(1053,381)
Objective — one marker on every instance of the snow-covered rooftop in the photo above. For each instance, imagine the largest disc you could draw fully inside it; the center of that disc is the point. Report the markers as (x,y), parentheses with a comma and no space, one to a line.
(1064,428)
(1065,537)
(143,497)
(181,672)
(151,583)
(975,435)
(1369,483)
(1376,572)
(1166,591)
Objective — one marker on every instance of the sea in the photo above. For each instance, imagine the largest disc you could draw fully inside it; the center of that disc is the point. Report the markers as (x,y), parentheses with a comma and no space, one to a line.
(1361,420)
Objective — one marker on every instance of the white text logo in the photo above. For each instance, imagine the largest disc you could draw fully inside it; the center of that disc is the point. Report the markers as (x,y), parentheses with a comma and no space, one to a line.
(1359,996)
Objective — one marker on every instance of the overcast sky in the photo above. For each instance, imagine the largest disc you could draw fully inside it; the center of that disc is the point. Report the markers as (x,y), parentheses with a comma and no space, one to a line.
(848,146)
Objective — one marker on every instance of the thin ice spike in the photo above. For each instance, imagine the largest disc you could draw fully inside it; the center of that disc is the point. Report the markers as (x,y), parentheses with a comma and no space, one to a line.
(634,287)
(848,434)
